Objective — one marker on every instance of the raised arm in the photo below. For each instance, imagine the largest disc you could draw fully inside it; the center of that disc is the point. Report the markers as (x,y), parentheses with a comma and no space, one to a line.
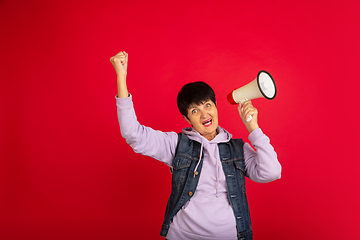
(261,165)
(142,139)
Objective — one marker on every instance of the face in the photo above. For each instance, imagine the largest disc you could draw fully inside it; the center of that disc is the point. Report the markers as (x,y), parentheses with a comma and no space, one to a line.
(204,118)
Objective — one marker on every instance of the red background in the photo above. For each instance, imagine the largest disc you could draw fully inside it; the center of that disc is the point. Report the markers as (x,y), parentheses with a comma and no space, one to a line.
(65,171)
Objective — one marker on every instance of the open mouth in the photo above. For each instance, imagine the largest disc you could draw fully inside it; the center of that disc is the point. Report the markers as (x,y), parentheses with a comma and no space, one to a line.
(207,123)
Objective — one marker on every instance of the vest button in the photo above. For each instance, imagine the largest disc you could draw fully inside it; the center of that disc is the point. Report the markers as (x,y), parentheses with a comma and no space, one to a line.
(190,193)
(199,156)
(196,172)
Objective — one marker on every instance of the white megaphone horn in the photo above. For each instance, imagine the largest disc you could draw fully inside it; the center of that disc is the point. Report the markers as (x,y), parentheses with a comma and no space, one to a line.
(262,86)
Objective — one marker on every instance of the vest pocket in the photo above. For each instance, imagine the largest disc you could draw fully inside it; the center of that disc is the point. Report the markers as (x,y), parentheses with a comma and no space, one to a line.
(181,165)
(240,166)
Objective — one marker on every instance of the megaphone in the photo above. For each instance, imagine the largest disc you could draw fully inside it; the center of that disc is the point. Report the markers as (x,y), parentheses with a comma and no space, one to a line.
(262,86)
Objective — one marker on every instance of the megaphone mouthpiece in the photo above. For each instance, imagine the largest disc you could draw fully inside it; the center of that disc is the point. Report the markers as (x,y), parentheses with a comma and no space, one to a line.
(230,98)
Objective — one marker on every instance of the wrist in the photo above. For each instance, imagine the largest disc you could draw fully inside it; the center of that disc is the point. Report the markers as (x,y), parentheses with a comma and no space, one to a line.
(251,128)
(121,76)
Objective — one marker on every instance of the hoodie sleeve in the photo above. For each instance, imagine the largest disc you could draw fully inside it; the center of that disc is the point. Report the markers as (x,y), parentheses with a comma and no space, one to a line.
(261,165)
(142,139)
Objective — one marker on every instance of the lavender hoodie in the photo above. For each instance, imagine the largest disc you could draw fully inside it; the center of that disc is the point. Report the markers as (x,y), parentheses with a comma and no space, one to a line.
(208,214)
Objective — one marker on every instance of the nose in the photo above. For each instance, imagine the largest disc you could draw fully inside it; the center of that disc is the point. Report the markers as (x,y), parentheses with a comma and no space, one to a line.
(204,114)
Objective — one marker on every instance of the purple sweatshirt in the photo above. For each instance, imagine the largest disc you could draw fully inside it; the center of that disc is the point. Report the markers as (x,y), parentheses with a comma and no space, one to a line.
(208,214)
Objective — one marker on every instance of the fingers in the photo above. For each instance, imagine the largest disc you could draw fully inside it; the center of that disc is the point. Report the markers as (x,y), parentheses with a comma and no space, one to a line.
(119,61)
(247,111)
(121,57)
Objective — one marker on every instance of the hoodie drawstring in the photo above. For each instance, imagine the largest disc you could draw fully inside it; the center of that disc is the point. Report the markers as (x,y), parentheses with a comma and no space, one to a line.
(217,176)
(223,136)
(197,165)
(216,168)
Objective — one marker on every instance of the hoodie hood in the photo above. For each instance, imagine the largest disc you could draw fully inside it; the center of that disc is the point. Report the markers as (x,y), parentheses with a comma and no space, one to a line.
(222,136)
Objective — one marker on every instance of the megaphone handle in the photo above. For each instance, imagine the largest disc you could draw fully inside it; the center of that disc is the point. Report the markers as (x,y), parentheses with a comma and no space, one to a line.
(250,117)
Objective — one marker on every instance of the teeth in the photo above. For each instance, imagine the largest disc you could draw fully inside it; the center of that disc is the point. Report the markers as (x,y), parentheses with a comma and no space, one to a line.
(207,122)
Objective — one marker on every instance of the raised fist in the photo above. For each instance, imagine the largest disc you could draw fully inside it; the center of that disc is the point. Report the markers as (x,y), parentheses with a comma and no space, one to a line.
(120,61)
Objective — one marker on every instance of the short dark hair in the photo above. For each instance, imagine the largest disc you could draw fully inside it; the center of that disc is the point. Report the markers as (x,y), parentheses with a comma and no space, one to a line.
(194,93)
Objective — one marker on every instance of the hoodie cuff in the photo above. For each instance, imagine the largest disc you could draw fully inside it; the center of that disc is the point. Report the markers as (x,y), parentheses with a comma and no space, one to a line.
(130,96)
(123,102)
(257,133)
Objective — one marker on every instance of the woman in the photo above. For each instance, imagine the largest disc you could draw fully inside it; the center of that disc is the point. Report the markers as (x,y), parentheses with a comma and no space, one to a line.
(208,198)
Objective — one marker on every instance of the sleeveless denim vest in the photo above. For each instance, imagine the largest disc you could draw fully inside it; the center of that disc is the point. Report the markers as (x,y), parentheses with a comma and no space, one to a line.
(184,181)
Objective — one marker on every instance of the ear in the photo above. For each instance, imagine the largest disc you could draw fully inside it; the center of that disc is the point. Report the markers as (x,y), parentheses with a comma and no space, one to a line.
(186,118)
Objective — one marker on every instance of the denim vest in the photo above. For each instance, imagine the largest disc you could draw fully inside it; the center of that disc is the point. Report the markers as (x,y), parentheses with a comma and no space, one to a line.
(184,181)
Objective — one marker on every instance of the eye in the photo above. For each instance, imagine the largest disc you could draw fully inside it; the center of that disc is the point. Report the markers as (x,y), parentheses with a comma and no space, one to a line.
(194,111)
(208,105)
